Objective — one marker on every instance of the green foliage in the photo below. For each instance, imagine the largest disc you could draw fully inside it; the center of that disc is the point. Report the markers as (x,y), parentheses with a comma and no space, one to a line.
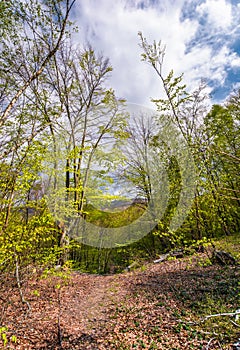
(74,90)
(229,244)
(31,242)
(8,18)
(213,139)
(113,217)
(5,337)
(177,94)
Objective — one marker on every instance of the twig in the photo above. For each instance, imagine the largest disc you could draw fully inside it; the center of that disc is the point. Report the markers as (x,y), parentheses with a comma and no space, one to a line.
(24,301)
(2,314)
(208,344)
(219,345)
(235,324)
(230,314)
(210,341)
(4,261)
(39,72)
(162,258)
(210,333)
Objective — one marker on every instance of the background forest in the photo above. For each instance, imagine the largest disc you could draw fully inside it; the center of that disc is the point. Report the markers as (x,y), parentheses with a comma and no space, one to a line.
(66,136)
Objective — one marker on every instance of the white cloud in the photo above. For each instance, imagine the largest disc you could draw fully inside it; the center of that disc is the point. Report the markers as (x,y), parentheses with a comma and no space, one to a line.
(236,86)
(112,27)
(234,60)
(218,12)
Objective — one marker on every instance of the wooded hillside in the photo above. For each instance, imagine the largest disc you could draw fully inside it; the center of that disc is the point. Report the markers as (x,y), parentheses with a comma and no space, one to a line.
(90,184)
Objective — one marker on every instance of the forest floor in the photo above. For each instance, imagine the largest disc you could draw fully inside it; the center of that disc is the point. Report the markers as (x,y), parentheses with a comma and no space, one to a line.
(159,306)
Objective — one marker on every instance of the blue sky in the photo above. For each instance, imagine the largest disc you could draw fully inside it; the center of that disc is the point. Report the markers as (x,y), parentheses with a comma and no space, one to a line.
(202,40)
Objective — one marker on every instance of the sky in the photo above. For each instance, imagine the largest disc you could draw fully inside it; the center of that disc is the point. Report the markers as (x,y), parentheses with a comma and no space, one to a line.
(202,39)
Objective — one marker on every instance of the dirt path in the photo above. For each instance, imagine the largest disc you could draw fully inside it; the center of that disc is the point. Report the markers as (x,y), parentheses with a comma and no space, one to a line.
(87,300)
(137,310)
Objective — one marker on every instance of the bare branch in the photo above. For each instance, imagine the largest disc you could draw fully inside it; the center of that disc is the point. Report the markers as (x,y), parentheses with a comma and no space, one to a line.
(37,73)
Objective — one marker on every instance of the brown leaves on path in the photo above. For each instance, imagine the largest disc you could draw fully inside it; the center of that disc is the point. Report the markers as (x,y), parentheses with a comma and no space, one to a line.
(150,308)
